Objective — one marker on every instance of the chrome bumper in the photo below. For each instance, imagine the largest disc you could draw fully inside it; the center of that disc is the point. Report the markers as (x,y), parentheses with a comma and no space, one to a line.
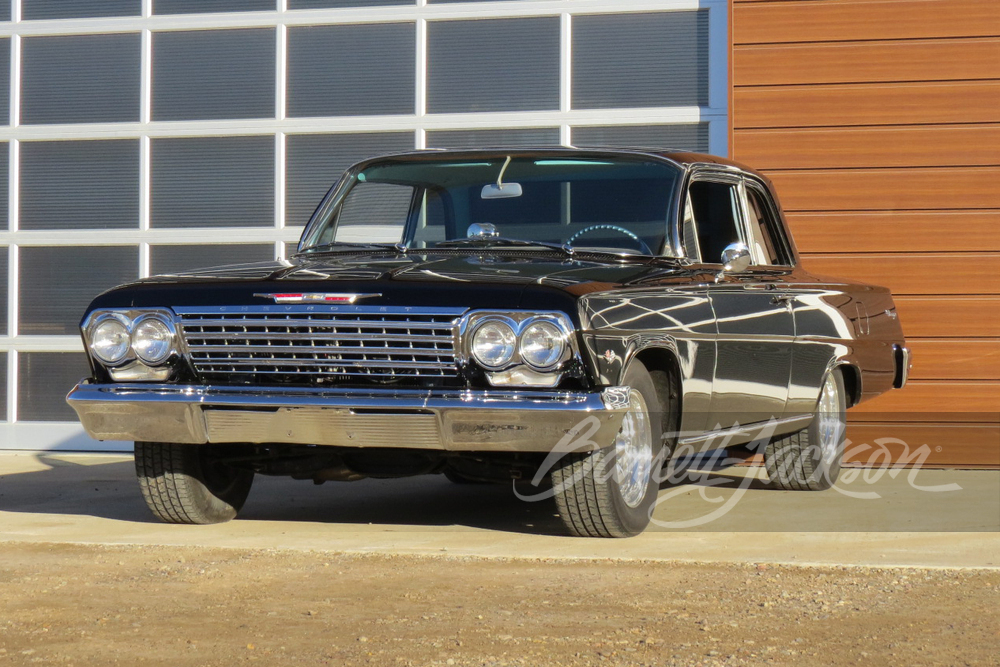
(457,420)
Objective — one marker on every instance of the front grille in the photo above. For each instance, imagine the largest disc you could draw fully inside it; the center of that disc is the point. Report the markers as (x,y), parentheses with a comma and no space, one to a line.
(321,345)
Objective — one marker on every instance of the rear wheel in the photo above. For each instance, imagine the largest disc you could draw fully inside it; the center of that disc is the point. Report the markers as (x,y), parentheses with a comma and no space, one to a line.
(189,484)
(610,492)
(810,459)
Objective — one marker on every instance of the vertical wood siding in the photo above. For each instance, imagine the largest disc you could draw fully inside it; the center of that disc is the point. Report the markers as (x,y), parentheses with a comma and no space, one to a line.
(879,122)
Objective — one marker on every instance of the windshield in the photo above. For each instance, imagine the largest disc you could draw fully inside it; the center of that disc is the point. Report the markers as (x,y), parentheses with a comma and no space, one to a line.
(617,204)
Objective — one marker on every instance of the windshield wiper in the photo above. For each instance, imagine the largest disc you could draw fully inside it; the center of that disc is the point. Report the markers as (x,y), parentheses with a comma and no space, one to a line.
(335,246)
(501,242)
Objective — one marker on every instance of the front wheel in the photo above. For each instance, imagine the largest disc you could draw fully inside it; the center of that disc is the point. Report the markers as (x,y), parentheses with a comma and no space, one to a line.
(188,484)
(810,459)
(610,492)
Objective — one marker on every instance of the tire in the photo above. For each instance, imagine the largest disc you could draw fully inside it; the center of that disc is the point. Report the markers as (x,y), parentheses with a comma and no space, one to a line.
(810,459)
(182,484)
(592,495)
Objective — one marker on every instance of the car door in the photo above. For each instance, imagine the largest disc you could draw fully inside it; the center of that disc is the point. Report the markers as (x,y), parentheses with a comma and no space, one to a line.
(754,325)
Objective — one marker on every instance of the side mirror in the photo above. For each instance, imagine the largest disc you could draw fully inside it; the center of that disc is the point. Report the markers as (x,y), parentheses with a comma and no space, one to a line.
(735,258)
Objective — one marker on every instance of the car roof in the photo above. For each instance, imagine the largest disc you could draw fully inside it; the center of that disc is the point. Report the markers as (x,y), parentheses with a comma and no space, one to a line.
(680,157)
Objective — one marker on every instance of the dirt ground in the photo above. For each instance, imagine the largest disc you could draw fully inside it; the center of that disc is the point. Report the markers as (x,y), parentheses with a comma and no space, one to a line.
(83,605)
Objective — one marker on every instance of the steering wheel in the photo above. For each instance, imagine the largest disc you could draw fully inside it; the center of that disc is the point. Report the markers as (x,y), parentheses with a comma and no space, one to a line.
(615,228)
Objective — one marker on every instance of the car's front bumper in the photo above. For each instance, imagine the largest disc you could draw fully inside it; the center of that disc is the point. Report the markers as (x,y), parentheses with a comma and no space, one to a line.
(456,420)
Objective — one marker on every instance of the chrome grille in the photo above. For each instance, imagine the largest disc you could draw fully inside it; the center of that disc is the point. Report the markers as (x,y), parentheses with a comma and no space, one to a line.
(320,344)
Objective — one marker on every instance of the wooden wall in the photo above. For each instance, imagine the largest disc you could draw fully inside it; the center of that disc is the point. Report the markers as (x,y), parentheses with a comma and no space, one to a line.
(879,123)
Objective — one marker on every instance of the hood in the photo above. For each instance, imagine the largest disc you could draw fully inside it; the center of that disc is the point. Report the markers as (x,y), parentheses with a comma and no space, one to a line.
(476,279)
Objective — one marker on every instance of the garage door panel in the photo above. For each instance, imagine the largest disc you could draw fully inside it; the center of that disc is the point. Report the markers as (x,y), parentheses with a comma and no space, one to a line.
(929,273)
(893,231)
(861,147)
(954,188)
(865,104)
(930,401)
(865,62)
(833,20)
(955,359)
(949,317)
(943,444)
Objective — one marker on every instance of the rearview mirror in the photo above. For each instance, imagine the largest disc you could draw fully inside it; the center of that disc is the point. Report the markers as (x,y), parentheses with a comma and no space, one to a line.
(494,191)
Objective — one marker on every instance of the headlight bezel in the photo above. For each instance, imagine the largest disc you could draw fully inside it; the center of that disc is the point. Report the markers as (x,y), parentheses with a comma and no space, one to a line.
(131,365)
(518,366)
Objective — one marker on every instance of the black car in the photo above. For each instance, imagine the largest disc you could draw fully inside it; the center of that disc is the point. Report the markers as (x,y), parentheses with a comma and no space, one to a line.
(569,315)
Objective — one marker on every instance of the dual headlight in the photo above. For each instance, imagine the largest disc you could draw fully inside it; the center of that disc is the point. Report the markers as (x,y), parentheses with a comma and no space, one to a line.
(114,337)
(539,341)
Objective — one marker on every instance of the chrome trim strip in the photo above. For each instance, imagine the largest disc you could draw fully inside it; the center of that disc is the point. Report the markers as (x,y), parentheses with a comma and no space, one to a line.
(529,421)
(312,309)
(738,435)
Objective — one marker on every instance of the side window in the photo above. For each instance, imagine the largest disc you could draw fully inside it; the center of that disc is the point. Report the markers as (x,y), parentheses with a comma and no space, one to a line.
(374,213)
(767,248)
(715,207)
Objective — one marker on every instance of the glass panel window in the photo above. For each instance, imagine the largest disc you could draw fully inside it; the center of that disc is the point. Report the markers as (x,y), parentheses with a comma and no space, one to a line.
(4,360)
(207,74)
(640,60)
(714,208)
(167,259)
(322,4)
(202,6)
(80,184)
(351,70)
(4,183)
(71,9)
(44,379)
(687,137)
(493,65)
(314,162)
(5,81)
(530,136)
(4,11)
(58,282)
(212,182)
(4,251)
(80,78)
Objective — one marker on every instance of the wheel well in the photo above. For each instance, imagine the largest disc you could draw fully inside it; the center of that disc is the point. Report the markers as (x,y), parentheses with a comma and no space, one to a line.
(665,371)
(852,383)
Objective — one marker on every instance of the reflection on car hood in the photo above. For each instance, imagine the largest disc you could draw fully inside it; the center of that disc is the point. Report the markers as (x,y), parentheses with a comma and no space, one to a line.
(498,280)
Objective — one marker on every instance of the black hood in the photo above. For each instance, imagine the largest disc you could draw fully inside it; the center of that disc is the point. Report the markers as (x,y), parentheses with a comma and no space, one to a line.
(474,279)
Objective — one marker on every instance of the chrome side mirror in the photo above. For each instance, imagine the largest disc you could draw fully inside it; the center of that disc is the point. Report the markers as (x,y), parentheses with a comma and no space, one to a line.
(735,258)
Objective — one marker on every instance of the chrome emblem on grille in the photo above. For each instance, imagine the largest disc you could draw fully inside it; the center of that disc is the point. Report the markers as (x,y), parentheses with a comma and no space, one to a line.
(316,297)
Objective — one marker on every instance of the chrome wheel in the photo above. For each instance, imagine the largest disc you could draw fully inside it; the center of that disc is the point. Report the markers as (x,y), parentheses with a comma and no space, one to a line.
(828,413)
(634,451)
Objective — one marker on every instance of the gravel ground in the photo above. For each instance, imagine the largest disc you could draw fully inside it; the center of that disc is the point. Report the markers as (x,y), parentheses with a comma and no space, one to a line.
(83,605)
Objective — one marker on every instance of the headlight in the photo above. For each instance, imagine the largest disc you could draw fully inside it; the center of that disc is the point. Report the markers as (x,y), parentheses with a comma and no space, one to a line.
(152,340)
(542,345)
(493,344)
(109,340)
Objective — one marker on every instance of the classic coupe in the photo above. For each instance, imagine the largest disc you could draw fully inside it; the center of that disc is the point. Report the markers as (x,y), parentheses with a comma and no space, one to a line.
(562,314)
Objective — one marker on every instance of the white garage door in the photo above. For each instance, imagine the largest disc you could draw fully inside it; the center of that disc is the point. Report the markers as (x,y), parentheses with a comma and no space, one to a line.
(144,136)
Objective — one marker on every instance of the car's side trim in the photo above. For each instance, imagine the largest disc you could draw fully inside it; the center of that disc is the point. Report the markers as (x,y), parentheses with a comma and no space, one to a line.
(744,433)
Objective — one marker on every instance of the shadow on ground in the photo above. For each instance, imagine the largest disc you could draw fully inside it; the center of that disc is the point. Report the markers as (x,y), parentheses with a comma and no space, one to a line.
(708,498)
